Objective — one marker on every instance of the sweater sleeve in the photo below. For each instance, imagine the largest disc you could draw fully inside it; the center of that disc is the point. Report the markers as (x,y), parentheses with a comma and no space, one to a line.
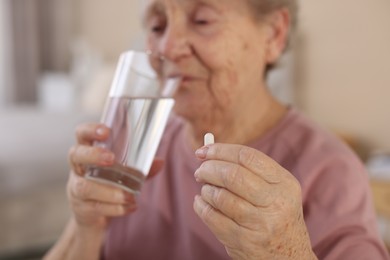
(339,213)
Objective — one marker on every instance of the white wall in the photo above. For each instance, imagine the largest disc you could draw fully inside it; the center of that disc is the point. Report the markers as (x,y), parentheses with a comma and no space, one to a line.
(110,28)
(345,67)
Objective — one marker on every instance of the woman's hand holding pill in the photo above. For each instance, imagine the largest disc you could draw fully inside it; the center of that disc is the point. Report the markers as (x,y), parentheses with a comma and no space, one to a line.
(251,204)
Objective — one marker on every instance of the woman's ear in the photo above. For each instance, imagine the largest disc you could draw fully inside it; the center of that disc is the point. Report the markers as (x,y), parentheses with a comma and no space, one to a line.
(278,29)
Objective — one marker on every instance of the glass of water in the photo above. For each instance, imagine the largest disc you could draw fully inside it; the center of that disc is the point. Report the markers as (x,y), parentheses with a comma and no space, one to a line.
(137,110)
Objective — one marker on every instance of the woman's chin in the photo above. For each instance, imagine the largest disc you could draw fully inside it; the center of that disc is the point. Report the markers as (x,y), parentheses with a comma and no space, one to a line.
(187,113)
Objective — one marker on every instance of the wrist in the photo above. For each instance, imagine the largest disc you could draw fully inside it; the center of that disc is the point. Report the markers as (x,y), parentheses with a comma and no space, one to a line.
(98,226)
(87,241)
(90,234)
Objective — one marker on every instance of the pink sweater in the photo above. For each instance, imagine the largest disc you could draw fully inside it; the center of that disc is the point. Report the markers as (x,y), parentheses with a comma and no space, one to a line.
(336,199)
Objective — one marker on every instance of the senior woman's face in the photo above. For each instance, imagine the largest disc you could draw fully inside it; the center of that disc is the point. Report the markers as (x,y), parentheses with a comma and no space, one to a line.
(216,46)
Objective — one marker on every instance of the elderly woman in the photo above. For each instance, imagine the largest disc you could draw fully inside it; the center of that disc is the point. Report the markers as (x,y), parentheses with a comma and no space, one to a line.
(275,186)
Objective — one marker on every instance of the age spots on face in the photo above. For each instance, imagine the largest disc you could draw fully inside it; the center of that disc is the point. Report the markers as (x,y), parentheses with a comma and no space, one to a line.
(245,46)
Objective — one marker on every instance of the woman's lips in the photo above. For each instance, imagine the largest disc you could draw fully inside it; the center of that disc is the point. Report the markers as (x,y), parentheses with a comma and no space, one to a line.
(187,79)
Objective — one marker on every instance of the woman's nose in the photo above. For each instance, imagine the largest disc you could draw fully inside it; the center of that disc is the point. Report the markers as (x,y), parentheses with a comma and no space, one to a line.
(174,44)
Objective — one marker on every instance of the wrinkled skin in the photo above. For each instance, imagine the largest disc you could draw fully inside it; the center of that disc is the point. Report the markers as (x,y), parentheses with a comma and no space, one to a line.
(251,204)
(92,203)
(220,51)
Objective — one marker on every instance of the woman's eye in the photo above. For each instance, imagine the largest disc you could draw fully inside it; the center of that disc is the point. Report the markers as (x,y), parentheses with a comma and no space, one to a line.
(201,22)
(156,24)
(157,28)
(204,16)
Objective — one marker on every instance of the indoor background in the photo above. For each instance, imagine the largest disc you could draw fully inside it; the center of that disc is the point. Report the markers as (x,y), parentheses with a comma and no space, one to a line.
(57,59)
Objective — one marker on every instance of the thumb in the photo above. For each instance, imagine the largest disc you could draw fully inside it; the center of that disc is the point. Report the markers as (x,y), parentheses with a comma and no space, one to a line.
(156,167)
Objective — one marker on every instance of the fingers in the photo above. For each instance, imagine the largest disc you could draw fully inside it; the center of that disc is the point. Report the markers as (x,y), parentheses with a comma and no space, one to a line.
(239,210)
(222,226)
(91,200)
(81,155)
(237,180)
(87,190)
(87,133)
(104,209)
(84,154)
(247,157)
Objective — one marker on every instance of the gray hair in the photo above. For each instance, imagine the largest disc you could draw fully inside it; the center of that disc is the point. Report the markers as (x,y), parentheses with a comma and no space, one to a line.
(261,8)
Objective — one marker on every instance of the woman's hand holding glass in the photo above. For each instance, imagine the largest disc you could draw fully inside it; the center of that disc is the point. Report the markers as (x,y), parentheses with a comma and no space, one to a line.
(94,203)
(251,204)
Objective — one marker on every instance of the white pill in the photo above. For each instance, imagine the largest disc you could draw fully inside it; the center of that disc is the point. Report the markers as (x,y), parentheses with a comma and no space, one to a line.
(208,139)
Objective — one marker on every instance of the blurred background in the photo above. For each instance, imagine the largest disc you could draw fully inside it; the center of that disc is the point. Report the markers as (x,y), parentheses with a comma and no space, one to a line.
(57,59)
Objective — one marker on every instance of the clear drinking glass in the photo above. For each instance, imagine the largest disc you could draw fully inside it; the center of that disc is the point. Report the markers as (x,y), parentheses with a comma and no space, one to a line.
(137,111)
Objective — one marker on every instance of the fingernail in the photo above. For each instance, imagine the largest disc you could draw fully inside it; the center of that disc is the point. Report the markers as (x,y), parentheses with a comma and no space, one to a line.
(130,208)
(197,198)
(129,198)
(196,175)
(100,131)
(202,152)
(107,157)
